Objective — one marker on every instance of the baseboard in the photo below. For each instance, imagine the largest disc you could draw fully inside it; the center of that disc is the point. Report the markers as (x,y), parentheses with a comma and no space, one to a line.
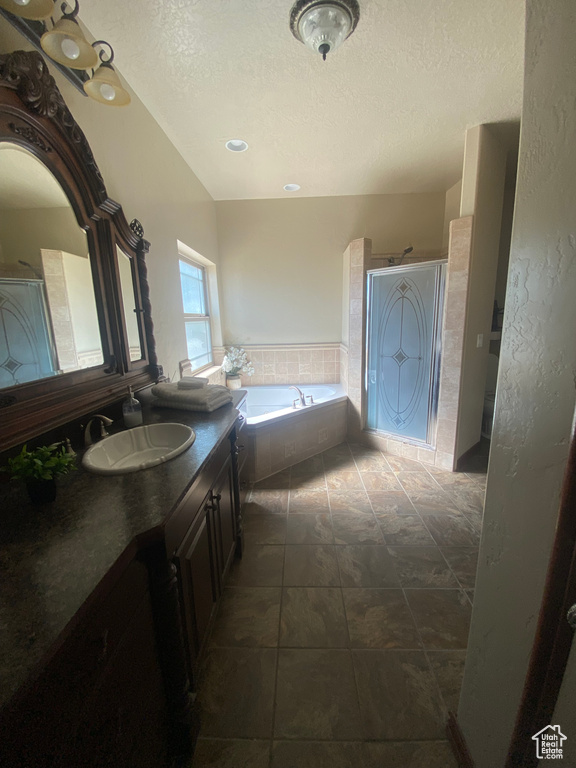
(458,742)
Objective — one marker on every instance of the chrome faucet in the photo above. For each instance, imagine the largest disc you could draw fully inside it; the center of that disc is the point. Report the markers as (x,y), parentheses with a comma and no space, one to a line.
(104,422)
(301,397)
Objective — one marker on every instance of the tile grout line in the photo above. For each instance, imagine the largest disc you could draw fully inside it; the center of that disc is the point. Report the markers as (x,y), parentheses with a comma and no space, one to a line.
(273,726)
(444,709)
(349,648)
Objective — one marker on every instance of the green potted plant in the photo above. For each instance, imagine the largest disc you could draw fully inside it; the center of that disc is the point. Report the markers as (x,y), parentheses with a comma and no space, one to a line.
(39,468)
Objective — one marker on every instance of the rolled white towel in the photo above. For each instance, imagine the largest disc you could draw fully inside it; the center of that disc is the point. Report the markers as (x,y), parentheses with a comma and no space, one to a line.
(192,382)
(202,395)
(160,402)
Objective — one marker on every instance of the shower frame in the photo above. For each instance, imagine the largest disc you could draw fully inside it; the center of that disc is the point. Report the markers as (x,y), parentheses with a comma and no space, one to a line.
(436,356)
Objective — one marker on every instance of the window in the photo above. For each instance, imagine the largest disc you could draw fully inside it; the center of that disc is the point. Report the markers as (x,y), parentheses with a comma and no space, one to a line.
(196,313)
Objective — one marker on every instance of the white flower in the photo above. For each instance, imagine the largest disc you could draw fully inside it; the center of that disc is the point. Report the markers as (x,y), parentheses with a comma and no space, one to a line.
(236,361)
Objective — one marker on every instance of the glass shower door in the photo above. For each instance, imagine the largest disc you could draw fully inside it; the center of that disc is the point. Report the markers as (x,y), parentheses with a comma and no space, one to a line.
(404,314)
(26,352)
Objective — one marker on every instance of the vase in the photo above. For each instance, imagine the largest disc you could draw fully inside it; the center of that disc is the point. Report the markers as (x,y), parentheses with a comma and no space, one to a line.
(233,382)
(41,491)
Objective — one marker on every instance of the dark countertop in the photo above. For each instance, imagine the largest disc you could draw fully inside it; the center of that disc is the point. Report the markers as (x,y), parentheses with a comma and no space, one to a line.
(53,556)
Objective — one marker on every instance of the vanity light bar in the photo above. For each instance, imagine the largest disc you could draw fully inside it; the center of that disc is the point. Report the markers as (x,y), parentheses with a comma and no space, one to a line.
(67,47)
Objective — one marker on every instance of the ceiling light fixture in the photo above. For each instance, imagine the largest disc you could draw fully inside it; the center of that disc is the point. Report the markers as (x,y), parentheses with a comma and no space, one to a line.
(236,145)
(29,9)
(323,25)
(104,85)
(65,43)
(292,187)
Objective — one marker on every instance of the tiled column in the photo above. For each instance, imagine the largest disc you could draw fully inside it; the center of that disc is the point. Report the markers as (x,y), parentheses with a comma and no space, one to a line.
(57,293)
(456,298)
(360,255)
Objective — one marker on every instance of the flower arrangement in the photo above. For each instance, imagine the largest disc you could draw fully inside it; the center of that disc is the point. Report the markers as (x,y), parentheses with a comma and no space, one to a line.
(236,362)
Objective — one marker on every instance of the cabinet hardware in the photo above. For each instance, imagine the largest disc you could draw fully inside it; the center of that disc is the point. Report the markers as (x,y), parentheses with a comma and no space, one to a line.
(216,497)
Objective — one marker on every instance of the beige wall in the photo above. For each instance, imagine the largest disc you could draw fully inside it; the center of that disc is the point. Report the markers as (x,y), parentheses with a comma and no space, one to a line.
(146,174)
(535,399)
(451,211)
(23,233)
(282,259)
(482,196)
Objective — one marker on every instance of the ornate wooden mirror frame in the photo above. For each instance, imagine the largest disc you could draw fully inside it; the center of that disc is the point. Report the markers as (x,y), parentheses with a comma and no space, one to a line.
(34,116)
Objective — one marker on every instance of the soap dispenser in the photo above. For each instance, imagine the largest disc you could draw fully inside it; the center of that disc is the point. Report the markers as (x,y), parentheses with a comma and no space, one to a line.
(131,411)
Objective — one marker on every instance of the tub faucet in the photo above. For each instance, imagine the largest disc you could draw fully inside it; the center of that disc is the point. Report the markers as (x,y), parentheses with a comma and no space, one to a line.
(301,395)
(104,422)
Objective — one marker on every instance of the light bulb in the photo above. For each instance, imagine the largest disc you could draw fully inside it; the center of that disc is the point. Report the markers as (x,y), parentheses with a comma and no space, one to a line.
(107,92)
(70,48)
(21,2)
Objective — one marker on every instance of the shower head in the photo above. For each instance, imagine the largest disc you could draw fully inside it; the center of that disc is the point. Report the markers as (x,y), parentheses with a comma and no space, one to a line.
(405,252)
(37,274)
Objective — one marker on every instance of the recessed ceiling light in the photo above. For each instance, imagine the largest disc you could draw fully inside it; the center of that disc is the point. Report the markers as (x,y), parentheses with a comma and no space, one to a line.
(292,187)
(236,145)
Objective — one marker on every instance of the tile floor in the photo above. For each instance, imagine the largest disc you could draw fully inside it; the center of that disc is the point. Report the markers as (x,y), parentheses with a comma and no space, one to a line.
(341,635)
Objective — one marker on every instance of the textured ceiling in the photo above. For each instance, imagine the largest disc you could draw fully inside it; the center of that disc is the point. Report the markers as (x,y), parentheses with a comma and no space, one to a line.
(387,112)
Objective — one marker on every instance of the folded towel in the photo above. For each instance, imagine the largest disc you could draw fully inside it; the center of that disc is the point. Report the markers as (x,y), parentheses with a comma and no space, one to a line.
(160,402)
(203,395)
(192,382)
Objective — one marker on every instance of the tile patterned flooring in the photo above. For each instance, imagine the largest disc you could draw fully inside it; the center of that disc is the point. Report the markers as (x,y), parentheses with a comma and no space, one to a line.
(341,635)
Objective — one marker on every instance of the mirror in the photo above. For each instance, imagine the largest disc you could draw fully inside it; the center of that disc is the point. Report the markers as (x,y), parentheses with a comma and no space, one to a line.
(75,317)
(48,315)
(126,271)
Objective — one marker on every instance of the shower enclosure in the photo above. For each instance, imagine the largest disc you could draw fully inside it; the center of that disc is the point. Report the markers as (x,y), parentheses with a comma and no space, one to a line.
(26,348)
(403,350)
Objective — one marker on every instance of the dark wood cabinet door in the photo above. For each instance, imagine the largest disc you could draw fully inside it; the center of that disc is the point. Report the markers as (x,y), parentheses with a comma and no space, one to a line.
(197,565)
(124,720)
(225,515)
(102,689)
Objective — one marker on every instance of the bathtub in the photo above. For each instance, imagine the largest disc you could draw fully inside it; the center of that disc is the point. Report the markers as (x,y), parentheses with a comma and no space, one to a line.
(280,435)
(276,402)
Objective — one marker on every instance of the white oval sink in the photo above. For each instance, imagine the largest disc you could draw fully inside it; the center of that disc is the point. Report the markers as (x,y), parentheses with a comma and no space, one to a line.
(138,448)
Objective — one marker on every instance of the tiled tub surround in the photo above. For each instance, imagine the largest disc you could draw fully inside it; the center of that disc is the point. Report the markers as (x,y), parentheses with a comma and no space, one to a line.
(358,260)
(342,635)
(289,435)
(293,364)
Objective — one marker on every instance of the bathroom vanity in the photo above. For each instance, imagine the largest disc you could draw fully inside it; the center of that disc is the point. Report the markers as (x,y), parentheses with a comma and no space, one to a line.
(107,599)
(107,594)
